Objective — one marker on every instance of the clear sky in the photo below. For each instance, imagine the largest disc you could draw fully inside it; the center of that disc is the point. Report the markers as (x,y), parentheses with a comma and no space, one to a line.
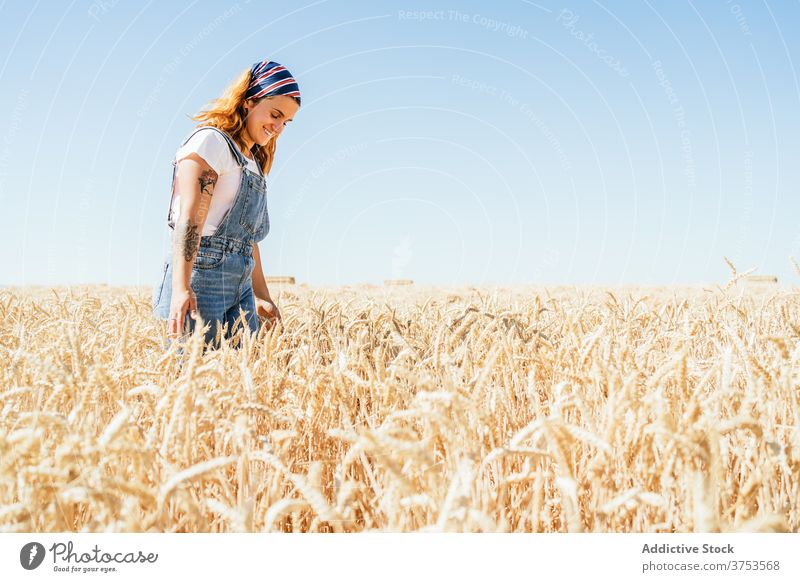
(446,142)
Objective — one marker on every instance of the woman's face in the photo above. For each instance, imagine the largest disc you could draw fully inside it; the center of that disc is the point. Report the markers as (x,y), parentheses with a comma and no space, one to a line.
(268,117)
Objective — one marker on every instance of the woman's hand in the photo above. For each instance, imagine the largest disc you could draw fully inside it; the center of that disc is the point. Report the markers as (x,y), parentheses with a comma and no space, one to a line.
(267,308)
(183,300)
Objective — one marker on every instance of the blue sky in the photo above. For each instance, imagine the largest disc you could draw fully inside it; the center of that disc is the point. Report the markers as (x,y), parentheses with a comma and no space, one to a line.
(446,142)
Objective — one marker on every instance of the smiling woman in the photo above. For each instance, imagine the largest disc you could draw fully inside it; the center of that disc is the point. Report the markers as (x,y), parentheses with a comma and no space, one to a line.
(218,209)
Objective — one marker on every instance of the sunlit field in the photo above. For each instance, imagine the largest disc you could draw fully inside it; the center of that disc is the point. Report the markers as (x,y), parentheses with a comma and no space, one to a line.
(407,409)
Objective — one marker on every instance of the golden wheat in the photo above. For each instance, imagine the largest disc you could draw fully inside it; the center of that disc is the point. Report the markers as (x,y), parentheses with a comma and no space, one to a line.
(406,409)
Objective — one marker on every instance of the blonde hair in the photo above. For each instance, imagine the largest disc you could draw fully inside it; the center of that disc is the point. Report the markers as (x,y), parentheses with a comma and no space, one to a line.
(227,113)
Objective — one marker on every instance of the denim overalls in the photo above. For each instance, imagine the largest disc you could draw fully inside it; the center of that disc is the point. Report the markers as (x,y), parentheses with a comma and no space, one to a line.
(221,277)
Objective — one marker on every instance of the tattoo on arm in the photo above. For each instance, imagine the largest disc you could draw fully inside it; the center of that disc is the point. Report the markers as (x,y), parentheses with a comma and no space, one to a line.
(207,181)
(189,240)
(188,236)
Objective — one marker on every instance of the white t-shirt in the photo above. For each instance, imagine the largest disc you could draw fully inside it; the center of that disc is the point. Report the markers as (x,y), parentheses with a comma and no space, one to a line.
(212,147)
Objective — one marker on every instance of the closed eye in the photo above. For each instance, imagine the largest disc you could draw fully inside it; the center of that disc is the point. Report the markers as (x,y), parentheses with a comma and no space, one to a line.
(279,115)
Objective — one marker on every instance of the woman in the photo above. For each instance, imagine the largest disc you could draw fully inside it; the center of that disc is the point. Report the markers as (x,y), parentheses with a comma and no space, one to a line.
(220,204)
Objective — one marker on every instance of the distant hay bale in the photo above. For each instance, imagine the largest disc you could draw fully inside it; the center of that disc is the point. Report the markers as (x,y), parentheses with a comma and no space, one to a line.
(398,282)
(286,280)
(769,279)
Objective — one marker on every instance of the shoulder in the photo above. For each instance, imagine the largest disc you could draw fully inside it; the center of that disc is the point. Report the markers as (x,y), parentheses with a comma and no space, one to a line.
(210,145)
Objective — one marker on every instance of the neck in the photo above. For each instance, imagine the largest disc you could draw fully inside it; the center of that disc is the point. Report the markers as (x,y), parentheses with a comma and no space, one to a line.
(246,142)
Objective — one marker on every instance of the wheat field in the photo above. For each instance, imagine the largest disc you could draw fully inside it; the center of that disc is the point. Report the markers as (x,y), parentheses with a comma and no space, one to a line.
(406,409)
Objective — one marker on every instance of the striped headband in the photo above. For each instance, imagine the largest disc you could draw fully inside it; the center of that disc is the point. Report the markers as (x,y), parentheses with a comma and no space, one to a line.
(268,78)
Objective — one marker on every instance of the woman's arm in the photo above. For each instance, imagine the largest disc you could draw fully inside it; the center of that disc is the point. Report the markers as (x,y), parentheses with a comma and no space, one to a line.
(259,282)
(265,306)
(196,181)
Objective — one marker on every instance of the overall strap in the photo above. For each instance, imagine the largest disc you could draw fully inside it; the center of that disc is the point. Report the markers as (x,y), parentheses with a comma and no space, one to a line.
(237,155)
